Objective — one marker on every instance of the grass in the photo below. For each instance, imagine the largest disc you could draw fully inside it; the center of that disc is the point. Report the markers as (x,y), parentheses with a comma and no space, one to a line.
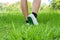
(13,26)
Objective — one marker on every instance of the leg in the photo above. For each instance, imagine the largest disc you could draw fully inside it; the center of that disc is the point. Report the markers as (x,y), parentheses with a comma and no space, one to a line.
(32,17)
(24,8)
(36,5)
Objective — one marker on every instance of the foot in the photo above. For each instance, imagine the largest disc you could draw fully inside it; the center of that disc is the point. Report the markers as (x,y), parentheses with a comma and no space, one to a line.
(27,22)
(32,19)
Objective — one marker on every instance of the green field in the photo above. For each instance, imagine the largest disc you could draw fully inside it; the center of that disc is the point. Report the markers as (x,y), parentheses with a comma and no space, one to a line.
(13,26)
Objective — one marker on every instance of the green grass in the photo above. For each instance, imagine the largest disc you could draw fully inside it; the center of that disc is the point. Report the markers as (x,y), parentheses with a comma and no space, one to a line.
(13,26)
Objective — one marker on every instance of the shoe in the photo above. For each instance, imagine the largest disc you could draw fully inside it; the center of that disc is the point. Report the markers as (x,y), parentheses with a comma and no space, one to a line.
(27,23)
(32,19)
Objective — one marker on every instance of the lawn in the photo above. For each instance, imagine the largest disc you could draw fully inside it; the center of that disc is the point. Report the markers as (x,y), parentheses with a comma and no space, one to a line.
(13,26)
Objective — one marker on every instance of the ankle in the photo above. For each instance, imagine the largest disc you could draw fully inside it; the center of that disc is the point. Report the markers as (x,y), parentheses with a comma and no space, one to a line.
(26,21)
(35,14)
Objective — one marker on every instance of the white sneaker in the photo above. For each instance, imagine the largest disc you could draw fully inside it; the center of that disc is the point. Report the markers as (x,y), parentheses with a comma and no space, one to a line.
(32,19)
